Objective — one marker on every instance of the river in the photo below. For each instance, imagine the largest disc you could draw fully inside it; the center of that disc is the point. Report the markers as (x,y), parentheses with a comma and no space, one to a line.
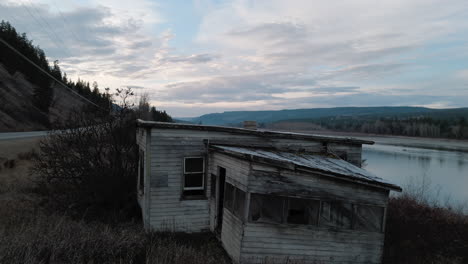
(438,175)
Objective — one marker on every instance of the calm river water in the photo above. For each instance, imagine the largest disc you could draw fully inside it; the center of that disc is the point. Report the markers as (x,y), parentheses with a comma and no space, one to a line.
(444,174)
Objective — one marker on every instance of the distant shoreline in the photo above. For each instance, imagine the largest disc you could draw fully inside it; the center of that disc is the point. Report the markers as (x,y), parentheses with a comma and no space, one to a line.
(403,141)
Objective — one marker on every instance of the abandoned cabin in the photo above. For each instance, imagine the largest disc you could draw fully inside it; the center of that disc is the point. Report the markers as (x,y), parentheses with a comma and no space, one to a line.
(267,195)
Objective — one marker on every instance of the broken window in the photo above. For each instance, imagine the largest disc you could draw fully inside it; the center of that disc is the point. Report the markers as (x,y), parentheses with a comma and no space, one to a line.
(194,176)
(239,203)
(266,208)
(336,214)
(278,209)
(302,211)
(369,218)
(141,178)
(229,197)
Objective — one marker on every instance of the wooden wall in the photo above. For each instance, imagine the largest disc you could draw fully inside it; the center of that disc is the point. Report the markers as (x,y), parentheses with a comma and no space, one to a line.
(167,148)
(237,173)
(164,209)
(307,243)
(352,152)
(269,180)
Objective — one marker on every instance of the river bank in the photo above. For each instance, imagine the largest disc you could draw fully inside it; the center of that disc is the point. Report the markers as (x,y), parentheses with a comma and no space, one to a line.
(416,142)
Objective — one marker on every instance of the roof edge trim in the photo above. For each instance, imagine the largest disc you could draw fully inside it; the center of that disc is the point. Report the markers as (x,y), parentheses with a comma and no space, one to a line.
(262,133)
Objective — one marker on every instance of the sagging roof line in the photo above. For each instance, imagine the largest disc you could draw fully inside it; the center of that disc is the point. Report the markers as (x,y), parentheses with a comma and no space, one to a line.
(338,169)
(262,133)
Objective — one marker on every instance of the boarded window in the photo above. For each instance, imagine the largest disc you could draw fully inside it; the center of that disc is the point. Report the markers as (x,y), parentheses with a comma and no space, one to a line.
(141,178)
(213,186)
(369,218)
(239,203)
(266,208)
(229,197)
(302,211)
(336,214)
(194,176)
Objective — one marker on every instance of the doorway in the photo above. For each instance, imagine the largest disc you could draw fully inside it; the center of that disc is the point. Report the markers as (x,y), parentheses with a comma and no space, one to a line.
(220,199)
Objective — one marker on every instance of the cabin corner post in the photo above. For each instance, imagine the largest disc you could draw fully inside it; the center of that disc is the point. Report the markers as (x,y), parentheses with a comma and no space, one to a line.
(147,180)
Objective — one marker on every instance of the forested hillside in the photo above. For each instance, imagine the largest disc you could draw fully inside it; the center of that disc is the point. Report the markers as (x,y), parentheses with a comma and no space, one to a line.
(440,123)
(401,120)
(29,98)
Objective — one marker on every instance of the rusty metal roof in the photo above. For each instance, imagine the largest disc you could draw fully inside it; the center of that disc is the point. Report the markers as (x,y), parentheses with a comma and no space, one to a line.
(321,163)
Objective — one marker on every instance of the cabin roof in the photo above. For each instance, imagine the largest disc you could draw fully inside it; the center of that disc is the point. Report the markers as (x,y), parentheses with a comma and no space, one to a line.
(262,133)
(326,165)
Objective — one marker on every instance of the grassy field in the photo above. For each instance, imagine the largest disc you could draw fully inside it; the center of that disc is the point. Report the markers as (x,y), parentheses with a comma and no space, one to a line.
(30,232)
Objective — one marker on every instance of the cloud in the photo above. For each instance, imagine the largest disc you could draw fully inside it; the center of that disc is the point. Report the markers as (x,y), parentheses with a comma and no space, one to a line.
(100,40)
(263,54)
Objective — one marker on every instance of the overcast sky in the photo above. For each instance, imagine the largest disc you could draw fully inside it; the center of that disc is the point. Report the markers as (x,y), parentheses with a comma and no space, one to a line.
(203,56)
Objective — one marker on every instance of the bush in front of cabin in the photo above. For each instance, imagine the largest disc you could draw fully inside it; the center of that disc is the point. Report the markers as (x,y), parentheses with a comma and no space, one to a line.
(89,167)
(417,232)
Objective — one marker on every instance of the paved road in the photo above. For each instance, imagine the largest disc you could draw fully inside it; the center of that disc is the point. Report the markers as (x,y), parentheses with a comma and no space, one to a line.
(16,135)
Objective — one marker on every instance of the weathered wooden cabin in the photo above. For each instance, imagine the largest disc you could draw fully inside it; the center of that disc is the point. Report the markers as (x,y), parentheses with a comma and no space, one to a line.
(267,195)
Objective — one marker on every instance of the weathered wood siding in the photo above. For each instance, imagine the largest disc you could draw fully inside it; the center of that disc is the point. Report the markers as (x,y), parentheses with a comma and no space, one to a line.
(167,148)
(231,235)
(167,210)
(309,244)
(265,179)
(351,152)
(306,243)
(237,173)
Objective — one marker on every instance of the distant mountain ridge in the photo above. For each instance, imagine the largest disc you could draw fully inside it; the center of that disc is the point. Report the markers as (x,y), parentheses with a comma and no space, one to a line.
(237,117)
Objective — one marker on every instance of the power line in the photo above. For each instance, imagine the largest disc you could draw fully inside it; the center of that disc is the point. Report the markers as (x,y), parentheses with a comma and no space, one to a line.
(66,24)
(48,74)
(41,26)
(48,25)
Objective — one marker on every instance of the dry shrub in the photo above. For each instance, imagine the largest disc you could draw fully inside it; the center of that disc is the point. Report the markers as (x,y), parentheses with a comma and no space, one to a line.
(419,233)
(29,155)
(90,167)
(16,180)
(9,163)
(59,239)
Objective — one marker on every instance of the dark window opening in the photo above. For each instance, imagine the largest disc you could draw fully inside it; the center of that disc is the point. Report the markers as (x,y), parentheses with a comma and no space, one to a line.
(239,203)
(303,211)
(229,197)
(193,181)
(194,176)
(188,194)
(336,214)
(234,200)
(300,211)
(369,218)
(194,165)
(266,208)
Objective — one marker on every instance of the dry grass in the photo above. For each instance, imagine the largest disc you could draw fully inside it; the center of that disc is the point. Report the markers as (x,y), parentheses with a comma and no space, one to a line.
(417,232)
(30,233)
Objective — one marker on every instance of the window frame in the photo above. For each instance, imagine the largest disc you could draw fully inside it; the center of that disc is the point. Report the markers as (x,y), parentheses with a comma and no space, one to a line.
(188,173)
(323,211)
